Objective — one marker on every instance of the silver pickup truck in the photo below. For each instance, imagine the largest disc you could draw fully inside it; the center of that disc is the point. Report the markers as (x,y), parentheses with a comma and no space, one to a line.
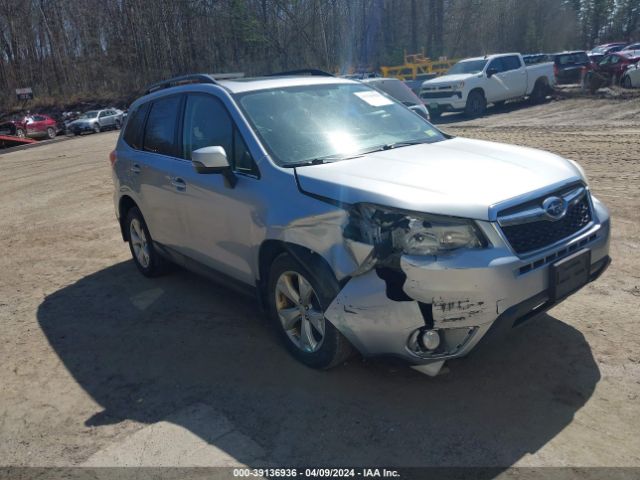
(473,83)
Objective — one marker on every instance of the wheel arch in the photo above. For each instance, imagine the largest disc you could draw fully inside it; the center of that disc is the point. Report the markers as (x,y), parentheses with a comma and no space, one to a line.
(125,204)
(316,265)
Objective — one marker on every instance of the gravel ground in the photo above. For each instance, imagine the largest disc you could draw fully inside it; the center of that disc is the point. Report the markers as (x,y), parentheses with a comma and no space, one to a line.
(93,353)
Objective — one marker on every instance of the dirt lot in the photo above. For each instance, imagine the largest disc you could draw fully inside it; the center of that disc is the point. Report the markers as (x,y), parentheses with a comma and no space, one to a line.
(101,366)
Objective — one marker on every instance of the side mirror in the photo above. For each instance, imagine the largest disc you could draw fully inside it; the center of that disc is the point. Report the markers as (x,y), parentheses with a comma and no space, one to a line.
(491,72)
(213,160)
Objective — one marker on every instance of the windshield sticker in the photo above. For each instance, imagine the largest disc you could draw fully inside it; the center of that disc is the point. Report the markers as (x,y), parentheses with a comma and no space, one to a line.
(430,133)
(374,99)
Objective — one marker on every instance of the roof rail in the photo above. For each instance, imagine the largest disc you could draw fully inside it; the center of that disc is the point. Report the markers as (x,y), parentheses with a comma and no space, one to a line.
(304,71)
(192,78)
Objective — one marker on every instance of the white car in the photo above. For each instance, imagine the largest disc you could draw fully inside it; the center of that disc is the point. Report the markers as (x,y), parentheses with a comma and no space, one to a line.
(631,78)
(474,82)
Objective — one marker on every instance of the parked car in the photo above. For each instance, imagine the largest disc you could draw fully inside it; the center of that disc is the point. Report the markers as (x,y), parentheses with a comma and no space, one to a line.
(355,222)
(96,121)
(614,65)
(631,77)
(598,53)
(401,92)
(31,126)
(570,67)
(631,46)
(474,82)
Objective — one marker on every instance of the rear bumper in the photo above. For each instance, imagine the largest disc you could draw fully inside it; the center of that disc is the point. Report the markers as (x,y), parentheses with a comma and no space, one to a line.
(462,296)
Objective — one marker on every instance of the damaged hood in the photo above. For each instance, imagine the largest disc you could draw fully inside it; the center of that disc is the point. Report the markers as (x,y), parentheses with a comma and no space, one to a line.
(457,177)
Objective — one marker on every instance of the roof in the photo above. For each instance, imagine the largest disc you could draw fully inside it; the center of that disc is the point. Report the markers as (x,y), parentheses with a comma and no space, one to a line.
(486,57)
(241,85)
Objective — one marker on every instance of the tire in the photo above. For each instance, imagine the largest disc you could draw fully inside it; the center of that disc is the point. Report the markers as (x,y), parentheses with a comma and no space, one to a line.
(476,104)
(315,343)
(145,256)
(51,133)
(97,128)
(20,133)
(539,94)
(118,125)
(626,82)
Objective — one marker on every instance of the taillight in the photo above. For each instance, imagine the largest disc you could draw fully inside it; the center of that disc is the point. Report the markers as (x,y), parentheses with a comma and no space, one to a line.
(113,157)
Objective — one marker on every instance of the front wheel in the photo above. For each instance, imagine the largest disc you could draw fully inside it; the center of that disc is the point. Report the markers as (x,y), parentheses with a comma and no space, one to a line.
(20,133)
(144,254)
(51,133)
(96,128)
(476,104)
(118,125)
(297,302)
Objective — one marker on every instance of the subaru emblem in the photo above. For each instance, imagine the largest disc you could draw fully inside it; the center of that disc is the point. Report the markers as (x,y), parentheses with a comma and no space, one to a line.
(555,207)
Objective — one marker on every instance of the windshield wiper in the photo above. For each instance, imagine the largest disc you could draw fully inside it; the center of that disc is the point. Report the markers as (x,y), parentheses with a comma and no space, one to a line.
(313,161)
(391,146)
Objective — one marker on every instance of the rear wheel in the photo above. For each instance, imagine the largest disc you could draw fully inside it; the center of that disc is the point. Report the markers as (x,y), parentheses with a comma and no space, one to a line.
(297,302)
(20,133)
(145,256)
(539,93)
(476,104)
(626,82)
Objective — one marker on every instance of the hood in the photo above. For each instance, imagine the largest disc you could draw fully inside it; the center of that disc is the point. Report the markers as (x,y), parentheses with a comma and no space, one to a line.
(79,121)
(448,79)
(457,177)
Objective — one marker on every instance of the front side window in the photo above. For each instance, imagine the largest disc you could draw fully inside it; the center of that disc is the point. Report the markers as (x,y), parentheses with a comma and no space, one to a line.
(160,132)
(497,64)
(207,123)
(511,63)
(313,122)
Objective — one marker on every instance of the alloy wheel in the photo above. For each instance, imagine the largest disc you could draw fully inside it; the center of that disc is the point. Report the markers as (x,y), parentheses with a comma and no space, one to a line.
(299,311)
(139,243)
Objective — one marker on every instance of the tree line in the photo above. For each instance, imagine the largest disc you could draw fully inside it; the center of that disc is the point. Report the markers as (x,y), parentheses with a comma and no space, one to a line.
(74,48)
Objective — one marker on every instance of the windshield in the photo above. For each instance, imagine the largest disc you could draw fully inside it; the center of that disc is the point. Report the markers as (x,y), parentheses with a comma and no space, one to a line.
(302,124)
(91,114)
(470,66)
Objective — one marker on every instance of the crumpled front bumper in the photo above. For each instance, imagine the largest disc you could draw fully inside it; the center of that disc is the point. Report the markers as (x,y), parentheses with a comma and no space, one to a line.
(460,295)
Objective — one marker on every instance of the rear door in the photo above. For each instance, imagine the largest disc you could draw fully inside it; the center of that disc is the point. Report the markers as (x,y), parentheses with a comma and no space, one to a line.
(514,76)
(153,169)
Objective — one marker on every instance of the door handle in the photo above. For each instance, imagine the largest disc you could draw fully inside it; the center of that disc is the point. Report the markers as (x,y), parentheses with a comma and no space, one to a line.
(179,184)
(135,168)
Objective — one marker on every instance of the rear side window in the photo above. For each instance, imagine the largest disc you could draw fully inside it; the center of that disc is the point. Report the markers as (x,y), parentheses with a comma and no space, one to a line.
(160,131)
(135,124)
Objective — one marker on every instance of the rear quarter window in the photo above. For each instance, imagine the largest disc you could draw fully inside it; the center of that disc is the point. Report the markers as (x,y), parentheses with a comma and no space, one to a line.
(135,125)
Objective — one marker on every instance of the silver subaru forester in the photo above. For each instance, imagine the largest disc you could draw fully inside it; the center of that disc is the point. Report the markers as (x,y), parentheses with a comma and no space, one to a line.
(356,222)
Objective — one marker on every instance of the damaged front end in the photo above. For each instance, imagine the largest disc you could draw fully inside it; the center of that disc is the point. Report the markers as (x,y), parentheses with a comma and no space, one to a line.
(386,308)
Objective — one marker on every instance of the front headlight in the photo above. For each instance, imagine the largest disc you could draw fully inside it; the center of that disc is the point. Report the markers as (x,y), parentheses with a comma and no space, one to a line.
(420,234)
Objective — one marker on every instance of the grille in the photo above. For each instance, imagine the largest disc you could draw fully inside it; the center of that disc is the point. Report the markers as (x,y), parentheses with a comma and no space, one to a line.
(528,237)
(427,94)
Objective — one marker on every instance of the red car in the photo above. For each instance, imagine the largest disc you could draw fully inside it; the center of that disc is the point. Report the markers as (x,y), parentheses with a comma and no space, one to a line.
(615,64)
(32,126)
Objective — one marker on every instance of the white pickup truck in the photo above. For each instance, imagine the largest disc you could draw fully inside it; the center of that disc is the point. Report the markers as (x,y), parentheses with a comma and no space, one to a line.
(473,83)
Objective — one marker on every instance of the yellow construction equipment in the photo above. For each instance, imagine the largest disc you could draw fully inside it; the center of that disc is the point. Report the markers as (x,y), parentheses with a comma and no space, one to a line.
(417,64)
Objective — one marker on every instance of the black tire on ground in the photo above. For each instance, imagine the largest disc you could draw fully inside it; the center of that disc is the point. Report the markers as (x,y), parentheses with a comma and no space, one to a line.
(97,128)
(335,348)
(626,82)
(118,125)
(51,132)
(20,133)
(539,93)
(157,265)
(476,104)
